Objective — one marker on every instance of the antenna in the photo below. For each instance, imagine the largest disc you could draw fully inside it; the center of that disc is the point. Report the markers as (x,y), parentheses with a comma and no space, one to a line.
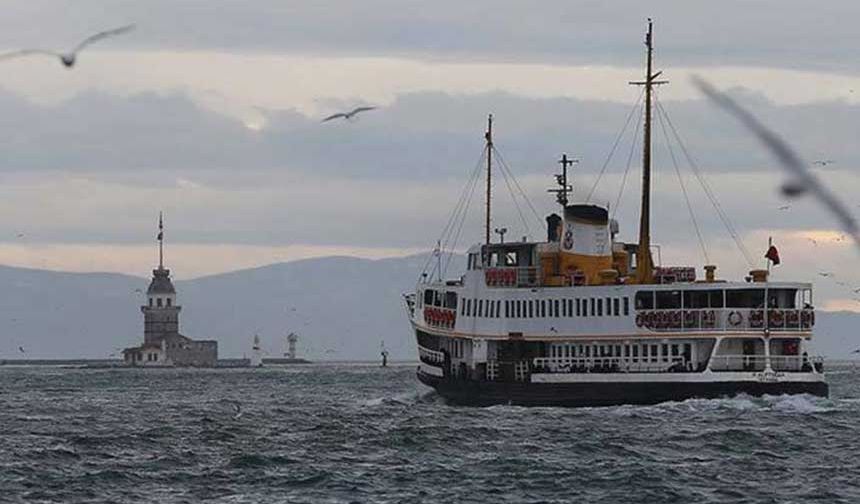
(561,194)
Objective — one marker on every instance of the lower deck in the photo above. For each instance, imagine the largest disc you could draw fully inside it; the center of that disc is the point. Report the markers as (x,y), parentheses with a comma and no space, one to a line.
(703,363)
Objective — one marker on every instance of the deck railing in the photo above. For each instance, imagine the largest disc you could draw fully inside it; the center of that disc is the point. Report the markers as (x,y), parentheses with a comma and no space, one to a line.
(609,365)
(785,363)
(512,276)
(726,319)
(430,356)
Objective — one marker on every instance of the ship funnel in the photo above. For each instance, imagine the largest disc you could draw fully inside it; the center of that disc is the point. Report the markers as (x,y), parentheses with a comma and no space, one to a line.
(585,243)
(710,273)
(553,222)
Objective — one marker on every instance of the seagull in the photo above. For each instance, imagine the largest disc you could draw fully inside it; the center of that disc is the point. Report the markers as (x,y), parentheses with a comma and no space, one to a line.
(825,275)
(20,235)
(856,351)
(785,207)
(814,242)
(823,162)
(68,58)
(139,290)
(802,180)
(21,349)
(348,115)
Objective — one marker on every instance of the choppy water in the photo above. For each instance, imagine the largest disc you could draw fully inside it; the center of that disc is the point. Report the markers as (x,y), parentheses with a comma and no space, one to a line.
(351,433)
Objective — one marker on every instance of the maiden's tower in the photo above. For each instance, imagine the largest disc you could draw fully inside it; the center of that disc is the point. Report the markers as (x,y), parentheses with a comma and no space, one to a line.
(163,345)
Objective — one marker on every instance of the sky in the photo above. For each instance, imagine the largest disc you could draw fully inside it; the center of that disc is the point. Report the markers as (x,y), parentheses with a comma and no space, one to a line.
(210,111)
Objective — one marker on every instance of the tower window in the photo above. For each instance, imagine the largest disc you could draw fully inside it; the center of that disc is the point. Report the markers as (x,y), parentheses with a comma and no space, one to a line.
(169,301)
(150,302)
(158,302)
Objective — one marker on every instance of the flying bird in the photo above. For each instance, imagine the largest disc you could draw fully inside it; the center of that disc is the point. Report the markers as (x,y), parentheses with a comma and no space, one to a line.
(21,349)
(785,207)
(825,275)
(238,409)
(348,115)
(802,180)
(68,58)
(823,162)
(814,242)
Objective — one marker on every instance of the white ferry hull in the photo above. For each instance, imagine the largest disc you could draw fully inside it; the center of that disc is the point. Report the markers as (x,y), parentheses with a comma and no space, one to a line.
(612,390)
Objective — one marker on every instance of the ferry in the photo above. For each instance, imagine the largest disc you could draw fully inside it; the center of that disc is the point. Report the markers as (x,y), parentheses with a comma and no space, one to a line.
(585,319)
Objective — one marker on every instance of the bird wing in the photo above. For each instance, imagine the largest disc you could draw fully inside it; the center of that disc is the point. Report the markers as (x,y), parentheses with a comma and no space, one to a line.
(361,109)
(787,157)
(26,52)
(334,116)
(102,35)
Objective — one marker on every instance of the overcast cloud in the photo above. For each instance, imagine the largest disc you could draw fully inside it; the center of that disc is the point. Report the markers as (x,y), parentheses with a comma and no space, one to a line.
(210,111)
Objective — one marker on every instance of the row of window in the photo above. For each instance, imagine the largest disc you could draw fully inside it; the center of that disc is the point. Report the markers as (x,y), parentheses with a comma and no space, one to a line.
(653,352)
(158,302)
(543,308)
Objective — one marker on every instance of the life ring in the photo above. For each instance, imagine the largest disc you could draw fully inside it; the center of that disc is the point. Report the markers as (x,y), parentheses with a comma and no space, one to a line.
(676,319)
(640,319)
(776,318)
(691,319)
(649,320)
(735,318)
(756,318)
(792,318)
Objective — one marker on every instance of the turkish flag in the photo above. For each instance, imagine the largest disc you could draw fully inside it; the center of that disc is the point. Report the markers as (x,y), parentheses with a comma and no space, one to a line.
(773,255)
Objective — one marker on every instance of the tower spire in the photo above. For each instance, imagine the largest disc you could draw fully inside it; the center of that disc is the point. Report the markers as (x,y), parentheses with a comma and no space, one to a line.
(644,264)
(160,240)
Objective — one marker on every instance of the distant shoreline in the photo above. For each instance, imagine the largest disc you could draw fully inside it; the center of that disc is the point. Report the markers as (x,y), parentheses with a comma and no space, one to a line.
(222,363)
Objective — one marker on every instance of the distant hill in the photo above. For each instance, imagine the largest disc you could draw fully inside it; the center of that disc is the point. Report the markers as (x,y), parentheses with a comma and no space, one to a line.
(341,307)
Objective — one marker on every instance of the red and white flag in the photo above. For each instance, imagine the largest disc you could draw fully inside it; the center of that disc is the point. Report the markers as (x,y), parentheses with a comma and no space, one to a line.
(772,255)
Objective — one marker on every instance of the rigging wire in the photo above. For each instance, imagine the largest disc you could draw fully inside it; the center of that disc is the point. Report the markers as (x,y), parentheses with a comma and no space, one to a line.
(707,188)
(683,187)
(460,226)
(516,204)
(455,212)
(504,165)
(633,145)
(615,145)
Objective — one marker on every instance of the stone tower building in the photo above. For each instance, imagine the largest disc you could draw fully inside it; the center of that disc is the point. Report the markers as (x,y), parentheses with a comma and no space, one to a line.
(163,345)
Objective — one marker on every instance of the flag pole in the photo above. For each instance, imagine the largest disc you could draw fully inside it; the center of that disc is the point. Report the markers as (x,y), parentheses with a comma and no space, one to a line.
(769,260)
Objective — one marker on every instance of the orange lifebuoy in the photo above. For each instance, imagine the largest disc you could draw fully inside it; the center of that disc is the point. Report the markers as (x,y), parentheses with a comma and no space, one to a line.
(640,319)
(775,318)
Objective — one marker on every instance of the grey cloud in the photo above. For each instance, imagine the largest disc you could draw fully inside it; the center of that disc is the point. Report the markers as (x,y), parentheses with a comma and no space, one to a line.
(783,33)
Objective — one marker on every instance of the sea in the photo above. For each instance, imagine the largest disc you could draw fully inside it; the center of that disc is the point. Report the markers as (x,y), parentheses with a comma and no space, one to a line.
(356,433)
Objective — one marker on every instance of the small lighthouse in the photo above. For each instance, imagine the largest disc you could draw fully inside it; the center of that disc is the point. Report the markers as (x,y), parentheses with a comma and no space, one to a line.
(256,352)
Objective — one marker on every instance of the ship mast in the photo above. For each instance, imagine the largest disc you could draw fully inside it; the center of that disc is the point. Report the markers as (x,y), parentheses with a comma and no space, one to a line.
(489,137)
(644,264)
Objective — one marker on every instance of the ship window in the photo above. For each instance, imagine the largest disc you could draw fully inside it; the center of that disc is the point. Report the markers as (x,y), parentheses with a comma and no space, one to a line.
(653,353)
(626,306)
(498,308)
(696,299)
(517,307)
(608,307)
(593,306)
(617,350)
(782,298)
(747,298)
(599,307)
(564,307)
(644,300)
(665,350)
(616,307)
(530,308)
(668,300)
(543,307)
(578,311)
(480,307)
(555,307)
(674,350)
(463,306)
(451,300)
